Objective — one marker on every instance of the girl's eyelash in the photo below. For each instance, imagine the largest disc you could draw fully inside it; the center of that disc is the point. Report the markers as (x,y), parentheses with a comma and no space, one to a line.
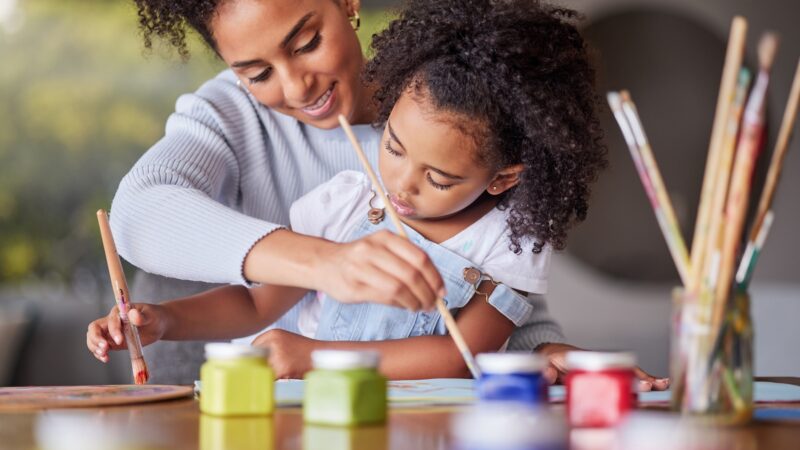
(391,151)
(312,44)
(441,187)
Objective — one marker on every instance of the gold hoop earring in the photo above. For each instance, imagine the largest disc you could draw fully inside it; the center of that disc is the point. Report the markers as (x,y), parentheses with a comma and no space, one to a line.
(355,21)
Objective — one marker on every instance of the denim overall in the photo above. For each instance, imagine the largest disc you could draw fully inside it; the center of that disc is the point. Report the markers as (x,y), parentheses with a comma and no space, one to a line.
(374,322)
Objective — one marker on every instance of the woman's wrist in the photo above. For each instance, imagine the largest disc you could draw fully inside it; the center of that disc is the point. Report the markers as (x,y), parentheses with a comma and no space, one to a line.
(287,258)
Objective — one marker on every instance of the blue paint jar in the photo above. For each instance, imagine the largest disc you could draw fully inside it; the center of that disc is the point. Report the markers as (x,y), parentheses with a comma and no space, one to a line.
(512,377)
(509,426)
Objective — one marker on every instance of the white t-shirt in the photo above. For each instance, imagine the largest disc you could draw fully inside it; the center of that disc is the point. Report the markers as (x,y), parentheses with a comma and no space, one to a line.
(334,208)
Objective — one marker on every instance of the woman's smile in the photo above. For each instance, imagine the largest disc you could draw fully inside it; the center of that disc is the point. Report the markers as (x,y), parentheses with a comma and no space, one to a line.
(323,105)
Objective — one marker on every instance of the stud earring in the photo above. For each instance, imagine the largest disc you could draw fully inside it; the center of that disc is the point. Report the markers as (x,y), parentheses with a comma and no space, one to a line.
(493,188)
(355,21)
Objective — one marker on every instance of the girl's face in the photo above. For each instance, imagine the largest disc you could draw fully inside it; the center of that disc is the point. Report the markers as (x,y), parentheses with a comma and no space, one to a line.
(429,167)
(298,57)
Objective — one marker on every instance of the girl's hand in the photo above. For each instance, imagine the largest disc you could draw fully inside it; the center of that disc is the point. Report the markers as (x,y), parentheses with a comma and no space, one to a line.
(383,268)
(557,355)
(289,353)
(105,334)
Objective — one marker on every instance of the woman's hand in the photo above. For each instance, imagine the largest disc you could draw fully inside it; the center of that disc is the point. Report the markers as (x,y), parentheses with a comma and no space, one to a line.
(383,268)
(289,353)
(106,334)
(557,355)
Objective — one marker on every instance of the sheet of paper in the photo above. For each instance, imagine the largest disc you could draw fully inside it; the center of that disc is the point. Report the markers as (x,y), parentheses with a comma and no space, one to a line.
(763,392)
(440,391)
(445,391)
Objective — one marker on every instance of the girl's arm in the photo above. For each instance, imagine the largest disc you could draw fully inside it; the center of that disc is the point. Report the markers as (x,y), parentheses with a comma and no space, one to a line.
(228,312)
(484,328)
(218,314)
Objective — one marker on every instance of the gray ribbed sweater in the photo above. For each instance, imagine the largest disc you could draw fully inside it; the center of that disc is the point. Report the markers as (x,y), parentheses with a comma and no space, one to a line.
(223,176)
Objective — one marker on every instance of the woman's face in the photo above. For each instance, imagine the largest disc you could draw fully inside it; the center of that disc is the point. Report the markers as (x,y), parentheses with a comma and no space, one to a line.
(299,57)
(429,166)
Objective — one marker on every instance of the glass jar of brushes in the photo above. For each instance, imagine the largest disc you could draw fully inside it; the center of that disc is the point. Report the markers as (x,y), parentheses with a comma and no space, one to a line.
(712,356)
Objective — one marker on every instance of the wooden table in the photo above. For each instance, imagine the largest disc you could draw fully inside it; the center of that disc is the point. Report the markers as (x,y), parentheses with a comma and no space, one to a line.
(179,425)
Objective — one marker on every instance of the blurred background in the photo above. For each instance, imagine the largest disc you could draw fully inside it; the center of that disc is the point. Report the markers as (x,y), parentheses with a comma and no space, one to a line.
(80,101)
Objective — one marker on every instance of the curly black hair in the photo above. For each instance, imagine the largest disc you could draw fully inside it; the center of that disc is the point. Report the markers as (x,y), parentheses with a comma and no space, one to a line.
(167,20)
(522,69)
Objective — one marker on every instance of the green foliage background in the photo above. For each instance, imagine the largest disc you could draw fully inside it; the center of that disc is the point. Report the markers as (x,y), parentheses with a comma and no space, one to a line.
(80,101)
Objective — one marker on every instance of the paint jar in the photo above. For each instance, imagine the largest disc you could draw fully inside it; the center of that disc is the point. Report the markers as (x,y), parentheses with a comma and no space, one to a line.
(237,381)
(344,388)
(509,426)
(601,388)
(372,437)
(712,358)
(664,430)
(221,433)
(513,376)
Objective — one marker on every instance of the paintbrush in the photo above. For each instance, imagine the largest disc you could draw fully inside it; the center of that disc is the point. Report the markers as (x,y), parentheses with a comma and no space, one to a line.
(449,321)
(741,180)
(120,287)
(625,113)
(714,236)
(761,223)
(733,61)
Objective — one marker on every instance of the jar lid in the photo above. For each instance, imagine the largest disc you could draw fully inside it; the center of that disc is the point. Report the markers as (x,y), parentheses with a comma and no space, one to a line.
(345,359)
(226,350)
(511,362)
(509,426)
(600,360)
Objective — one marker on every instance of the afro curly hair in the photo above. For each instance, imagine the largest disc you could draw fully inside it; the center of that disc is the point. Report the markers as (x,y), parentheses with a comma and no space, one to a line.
(521,68)
(167,20)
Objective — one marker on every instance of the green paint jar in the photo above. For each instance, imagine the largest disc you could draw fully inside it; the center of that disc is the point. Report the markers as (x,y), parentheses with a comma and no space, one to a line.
(223,433)
(344,388)
(237,381)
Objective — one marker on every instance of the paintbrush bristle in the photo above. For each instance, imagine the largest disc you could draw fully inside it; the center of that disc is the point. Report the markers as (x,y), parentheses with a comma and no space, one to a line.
(140,372)
(767,47)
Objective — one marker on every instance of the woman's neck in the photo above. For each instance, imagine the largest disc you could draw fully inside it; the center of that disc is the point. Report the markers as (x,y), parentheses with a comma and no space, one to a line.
(366,112)
(440,230)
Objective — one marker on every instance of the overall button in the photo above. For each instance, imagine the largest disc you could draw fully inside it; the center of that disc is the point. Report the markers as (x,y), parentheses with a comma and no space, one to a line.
(472,275)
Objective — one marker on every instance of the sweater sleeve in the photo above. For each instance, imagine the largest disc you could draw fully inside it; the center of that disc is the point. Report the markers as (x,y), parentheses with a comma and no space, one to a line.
(539,329)
(173,213)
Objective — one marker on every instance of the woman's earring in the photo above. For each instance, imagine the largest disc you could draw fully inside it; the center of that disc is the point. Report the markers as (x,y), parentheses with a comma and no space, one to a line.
(355,21)
(493,189)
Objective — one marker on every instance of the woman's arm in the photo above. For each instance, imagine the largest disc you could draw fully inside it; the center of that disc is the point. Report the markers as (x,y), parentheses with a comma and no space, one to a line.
(177,212)
(484,328)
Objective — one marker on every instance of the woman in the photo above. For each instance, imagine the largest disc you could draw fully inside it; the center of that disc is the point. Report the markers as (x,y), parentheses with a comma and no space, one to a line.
(208,201)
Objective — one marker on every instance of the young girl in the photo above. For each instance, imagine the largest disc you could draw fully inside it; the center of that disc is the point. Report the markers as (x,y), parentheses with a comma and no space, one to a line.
(489,146)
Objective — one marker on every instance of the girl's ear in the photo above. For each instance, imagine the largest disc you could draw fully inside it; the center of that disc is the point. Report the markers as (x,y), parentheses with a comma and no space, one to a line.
(505,179)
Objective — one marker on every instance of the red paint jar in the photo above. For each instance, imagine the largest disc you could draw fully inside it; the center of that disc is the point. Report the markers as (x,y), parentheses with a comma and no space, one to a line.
(600,388)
